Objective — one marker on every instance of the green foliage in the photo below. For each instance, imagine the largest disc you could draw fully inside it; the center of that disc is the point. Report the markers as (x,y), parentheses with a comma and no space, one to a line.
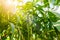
(31,22)
(52,17)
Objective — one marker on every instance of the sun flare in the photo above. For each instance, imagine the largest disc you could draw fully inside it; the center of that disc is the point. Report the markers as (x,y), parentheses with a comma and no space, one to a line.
(10,5)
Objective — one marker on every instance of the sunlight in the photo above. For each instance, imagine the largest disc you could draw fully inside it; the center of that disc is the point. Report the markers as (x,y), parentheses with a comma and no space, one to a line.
(24,1)
(9,2)
(10,5)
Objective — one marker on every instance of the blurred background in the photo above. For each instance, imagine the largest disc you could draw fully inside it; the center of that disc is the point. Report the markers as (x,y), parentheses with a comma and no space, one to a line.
(29,19)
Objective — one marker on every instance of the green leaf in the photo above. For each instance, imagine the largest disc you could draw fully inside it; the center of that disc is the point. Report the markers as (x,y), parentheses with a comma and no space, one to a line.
(46,3)
(12,27)
(58,27)
(52,16)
